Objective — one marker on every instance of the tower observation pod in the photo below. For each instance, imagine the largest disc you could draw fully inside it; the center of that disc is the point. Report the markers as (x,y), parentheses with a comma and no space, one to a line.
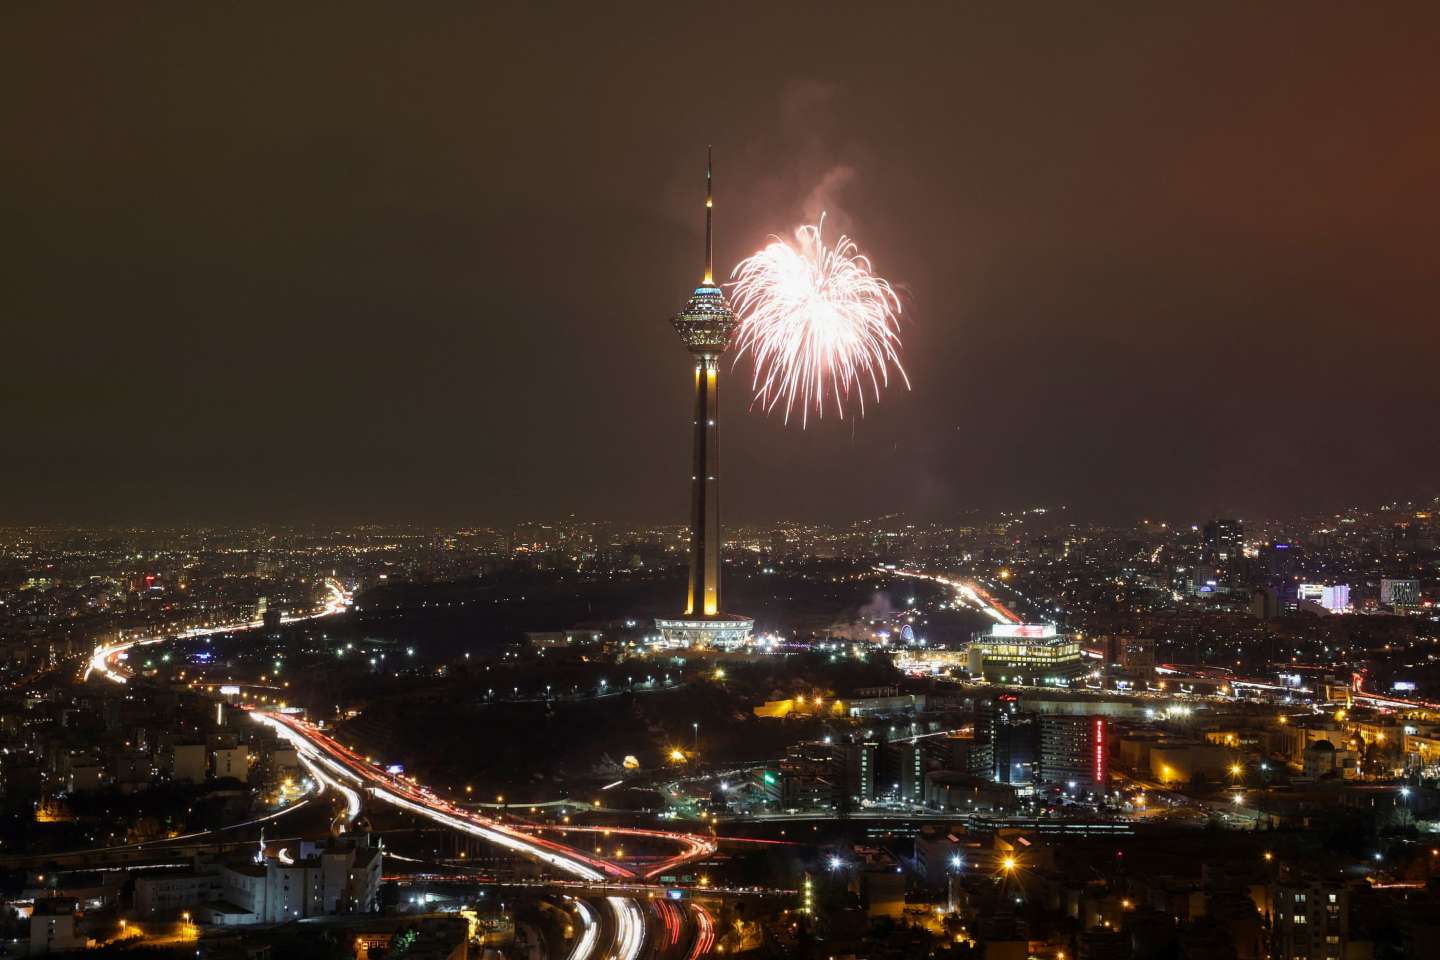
(705,326)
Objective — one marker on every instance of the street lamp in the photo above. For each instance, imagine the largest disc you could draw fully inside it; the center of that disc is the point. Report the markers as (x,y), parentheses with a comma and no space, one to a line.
(697,736)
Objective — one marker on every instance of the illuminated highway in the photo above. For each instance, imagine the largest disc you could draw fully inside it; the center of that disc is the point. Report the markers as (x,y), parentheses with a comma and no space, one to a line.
(105,660)
(326,782)
(694,846)
(335,767)
(967,590)
(589,931)
(629,927)
(342,764)
(1393,703)
(705,932)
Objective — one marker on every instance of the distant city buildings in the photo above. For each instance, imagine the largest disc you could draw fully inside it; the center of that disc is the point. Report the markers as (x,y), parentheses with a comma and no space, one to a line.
(1135,696)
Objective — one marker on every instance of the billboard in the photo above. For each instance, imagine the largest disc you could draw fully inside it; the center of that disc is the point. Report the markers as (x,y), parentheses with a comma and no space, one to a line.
(1027,631)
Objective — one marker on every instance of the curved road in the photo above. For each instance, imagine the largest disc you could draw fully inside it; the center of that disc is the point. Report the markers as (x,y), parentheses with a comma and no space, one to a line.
(342,765)
(336,767)
(105,660)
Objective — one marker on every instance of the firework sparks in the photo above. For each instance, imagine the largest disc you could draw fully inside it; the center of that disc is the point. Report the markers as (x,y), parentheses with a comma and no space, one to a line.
(817,323)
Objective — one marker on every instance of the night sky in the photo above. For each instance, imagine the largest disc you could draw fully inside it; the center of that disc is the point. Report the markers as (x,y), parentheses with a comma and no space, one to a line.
(402,261)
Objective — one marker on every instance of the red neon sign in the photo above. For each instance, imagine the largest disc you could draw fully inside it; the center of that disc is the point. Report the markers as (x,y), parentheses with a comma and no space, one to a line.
(1099,750)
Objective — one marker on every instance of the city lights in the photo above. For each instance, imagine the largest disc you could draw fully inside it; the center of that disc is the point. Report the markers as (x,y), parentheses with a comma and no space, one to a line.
(347,422)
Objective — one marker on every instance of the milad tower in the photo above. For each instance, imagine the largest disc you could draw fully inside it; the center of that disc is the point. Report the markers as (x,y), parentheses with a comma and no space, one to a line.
(705,327)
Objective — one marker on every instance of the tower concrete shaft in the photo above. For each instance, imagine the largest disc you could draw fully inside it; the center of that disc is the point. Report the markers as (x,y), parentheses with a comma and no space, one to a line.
(705,538)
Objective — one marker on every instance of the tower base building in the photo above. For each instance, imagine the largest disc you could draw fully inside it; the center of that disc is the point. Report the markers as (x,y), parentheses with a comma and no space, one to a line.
(723,630)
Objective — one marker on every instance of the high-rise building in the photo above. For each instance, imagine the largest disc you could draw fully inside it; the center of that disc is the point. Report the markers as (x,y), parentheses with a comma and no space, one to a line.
(910,769)
(1129,654)
(1014,741)
(853,770)
(1264,603)
(1332,598)
(968,754)
(705,327)
(1224,540)
(1072,750)
(1311,921)
(1280,562)
(1400,594)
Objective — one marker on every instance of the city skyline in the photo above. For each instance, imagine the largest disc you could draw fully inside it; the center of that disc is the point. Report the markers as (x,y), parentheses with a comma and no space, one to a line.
(374,282)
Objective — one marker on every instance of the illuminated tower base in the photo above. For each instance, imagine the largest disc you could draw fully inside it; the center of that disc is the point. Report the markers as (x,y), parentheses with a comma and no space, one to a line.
(724,630)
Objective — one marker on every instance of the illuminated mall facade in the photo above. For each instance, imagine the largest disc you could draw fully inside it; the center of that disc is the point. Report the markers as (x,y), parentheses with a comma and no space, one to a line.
(1028,654)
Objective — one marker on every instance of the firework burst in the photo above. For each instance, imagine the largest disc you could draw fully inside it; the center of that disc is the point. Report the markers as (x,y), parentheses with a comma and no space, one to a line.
(817,323)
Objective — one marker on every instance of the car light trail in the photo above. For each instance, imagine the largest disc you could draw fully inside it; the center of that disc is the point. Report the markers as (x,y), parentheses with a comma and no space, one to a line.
(696,846)
(967,589)
(585,945)
(320,753)
(402,793)
(405,794)
(670,916)
(352,799)
(1357,683)
(629,927)
(105,658)
(705,932)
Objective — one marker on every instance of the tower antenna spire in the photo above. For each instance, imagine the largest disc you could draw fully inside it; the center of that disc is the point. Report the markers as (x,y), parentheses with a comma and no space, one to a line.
(709,204)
